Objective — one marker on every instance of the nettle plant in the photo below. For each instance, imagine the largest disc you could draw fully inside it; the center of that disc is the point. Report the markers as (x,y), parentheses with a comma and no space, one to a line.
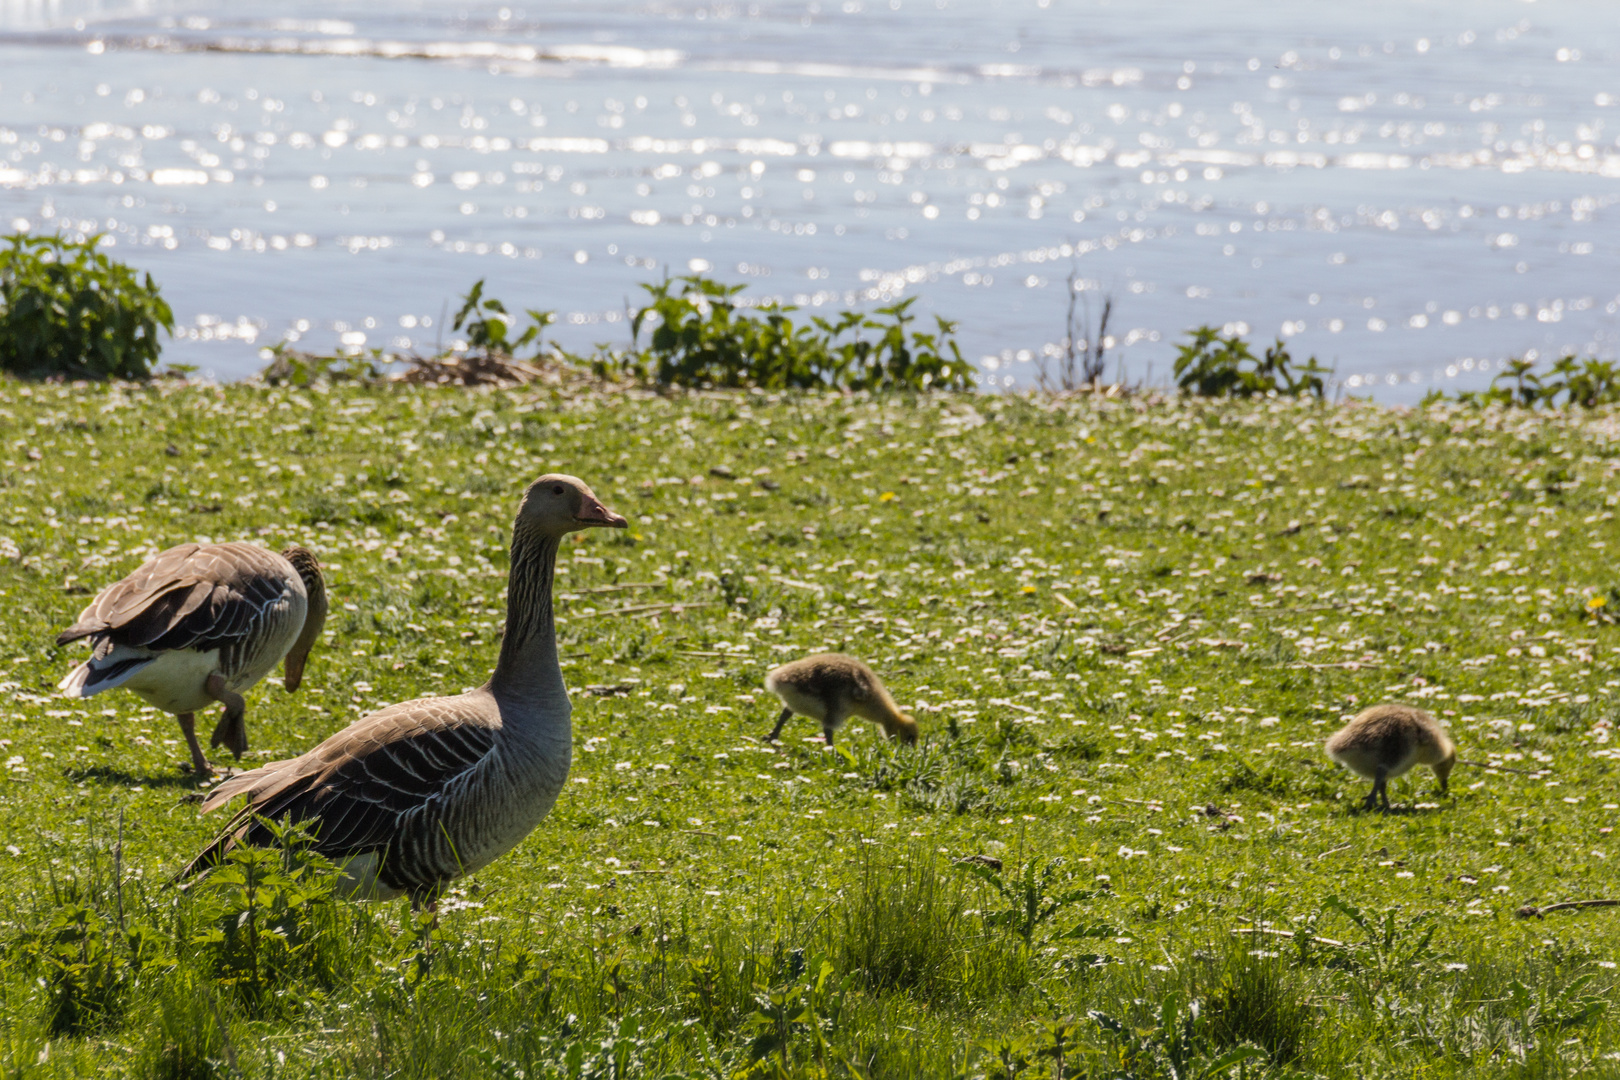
(1214,366)
(68,309)
(1569,382)
(700,335)
(489,326)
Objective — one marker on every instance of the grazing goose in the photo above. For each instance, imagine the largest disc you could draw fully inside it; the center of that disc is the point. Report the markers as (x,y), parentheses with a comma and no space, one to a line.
(1385,741)
(422,792)
(201,623)
(832,687)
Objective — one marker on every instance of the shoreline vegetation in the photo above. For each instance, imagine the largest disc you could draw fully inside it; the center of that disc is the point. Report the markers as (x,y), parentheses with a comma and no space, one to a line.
(1124,625)
(67,310)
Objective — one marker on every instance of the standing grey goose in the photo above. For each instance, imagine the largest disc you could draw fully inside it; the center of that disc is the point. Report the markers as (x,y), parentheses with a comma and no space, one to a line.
(1385,741)
(418,794)
(201,623)
(832,687)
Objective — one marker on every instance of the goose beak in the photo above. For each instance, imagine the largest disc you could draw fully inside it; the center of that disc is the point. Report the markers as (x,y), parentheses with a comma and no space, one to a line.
(593,513)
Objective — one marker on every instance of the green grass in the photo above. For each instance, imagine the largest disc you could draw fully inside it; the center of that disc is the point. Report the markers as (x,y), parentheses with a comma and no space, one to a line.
(1125,627)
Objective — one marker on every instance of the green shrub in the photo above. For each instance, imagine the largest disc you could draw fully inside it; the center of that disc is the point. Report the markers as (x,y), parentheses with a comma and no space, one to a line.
(702,337)
(68,309)
(1214,366)
(289,367)
(488,324)
(1569,383)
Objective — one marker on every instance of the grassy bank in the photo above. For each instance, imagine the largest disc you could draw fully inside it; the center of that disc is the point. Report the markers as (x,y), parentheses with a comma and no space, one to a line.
(1125,628)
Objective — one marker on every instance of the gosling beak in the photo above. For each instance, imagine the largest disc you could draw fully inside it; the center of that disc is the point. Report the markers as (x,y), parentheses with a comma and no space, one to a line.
(593,513)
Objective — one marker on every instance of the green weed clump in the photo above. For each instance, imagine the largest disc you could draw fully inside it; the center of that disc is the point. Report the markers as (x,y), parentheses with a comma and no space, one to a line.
(69,309)
(700,336)
(1568,383)
(697,335)
(1214,366)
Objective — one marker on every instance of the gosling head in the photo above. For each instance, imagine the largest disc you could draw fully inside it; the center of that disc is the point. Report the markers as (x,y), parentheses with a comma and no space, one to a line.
(905,728)
(557,505)
(309,569)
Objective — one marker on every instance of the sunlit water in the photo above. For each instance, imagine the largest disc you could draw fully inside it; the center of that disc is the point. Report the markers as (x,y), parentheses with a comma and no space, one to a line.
(1411,192)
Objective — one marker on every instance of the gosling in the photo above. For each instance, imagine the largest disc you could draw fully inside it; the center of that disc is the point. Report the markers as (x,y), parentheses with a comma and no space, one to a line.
(1385,741)
(832,687)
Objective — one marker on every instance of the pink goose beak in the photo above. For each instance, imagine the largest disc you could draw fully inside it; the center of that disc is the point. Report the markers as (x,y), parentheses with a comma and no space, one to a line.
(593,513)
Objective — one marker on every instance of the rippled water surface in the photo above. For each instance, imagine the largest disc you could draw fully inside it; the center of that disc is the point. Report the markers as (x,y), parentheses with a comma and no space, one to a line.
(1410,191)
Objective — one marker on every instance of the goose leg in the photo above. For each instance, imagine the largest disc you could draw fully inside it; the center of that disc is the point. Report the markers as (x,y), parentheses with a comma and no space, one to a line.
(426,928)
(231,731)
(1381,785)
(834,720)
(776,731)
(188,727)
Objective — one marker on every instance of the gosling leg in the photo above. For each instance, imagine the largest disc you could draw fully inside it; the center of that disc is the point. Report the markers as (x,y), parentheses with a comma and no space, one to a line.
(188,727)
(835,720)
(780,722)
(231,731)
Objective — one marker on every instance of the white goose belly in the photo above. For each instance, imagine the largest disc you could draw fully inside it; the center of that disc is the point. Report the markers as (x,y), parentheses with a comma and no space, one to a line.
(176,680)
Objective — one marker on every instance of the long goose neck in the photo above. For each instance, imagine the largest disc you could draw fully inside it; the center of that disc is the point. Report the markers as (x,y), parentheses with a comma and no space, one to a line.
(528,668)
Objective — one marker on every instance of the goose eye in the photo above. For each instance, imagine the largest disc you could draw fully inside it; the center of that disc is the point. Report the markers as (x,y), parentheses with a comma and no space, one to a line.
(558,490)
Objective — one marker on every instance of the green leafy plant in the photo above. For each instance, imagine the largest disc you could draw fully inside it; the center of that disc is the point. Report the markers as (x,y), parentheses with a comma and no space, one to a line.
(86,965)
(1214,366)
(1029,900)
(489,326)
(701,336)
(67,308)
(1388,945)
(1570,1007)
(266,915)
(1569,382)
(1177,1044)
(290,367)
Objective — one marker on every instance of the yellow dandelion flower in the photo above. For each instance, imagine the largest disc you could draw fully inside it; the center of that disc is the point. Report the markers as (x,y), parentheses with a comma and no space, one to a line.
(1029,589)
(887,496)
(1595,603)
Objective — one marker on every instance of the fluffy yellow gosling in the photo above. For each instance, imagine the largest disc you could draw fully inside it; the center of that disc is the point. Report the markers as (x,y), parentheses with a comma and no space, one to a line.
(832,687)
(1386,741)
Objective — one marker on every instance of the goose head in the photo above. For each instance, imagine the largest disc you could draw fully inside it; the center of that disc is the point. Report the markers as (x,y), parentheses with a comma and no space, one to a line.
(303,560)
(556,504)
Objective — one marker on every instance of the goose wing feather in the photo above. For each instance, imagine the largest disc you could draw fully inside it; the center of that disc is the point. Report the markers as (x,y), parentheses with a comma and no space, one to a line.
(360,784)
(191,596)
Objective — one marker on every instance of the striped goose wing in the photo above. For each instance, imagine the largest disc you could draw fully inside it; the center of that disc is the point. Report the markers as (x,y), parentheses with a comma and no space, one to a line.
(189,596)
(357,786)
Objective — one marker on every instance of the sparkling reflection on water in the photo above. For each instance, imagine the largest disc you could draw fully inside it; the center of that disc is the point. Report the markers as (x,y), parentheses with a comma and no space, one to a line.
(1410,192)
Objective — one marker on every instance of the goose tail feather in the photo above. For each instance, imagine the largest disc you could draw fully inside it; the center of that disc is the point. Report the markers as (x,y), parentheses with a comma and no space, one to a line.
(93,676)
(261,786)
